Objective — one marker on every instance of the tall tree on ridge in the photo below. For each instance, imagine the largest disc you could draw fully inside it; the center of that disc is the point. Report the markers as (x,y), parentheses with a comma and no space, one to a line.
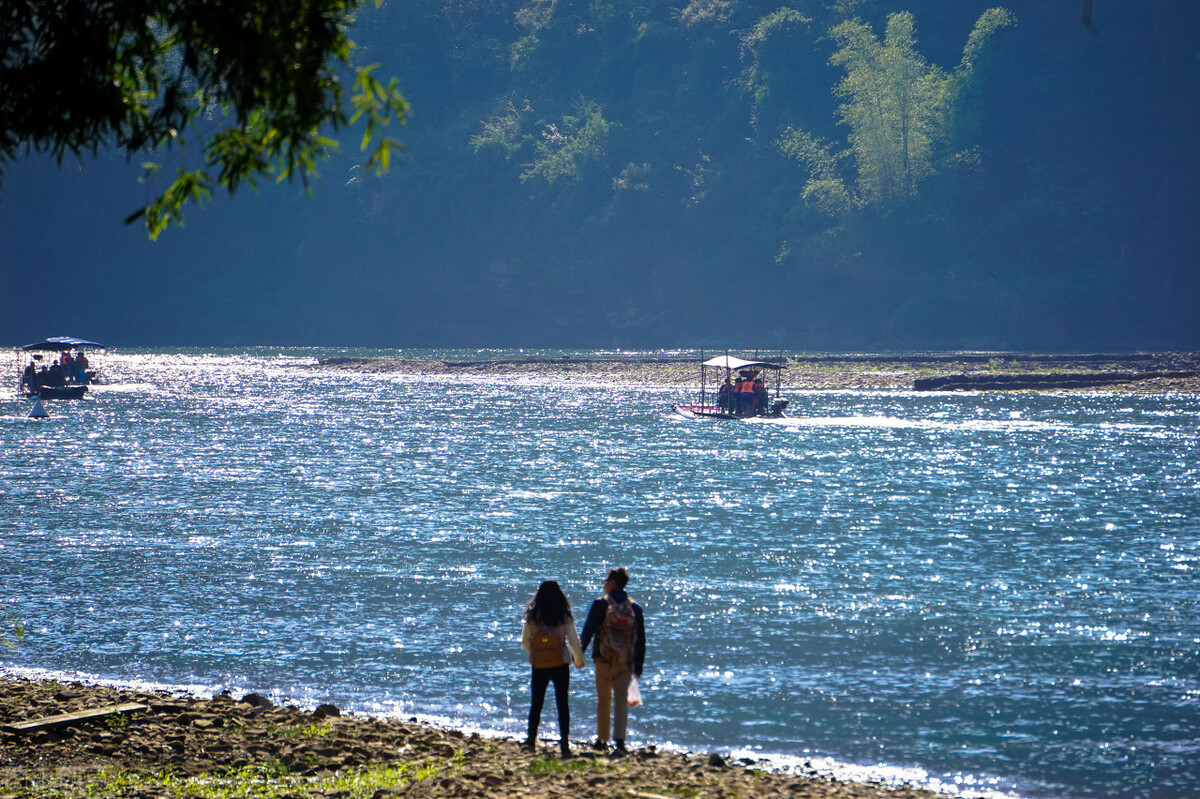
(895,106)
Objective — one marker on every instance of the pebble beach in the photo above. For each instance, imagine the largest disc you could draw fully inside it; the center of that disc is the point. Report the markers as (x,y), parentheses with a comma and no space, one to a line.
(175,746)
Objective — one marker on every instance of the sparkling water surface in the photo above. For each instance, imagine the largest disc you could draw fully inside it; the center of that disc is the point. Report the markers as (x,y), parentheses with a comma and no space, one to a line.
(988,593)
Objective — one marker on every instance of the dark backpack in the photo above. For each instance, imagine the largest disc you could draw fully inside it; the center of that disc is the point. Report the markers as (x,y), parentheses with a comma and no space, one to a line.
(546,649)
(618,635)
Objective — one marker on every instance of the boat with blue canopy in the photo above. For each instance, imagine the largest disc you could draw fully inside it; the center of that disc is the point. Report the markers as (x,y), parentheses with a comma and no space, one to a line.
(66,376)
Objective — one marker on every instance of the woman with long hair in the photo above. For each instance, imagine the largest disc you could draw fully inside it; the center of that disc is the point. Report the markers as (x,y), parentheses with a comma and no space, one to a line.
(550,639)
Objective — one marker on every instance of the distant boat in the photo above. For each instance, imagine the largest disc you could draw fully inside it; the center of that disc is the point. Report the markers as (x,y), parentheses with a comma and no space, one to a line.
(738,390)
(53,381)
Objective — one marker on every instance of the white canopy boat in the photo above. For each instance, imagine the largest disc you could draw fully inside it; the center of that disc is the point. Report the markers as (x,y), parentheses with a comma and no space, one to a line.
(743,394)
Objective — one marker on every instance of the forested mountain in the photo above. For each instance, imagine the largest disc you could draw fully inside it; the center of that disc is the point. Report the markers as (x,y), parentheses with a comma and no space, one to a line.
(809,175)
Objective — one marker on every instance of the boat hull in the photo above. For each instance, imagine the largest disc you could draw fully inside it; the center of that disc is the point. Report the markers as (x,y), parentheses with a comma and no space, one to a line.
(58,392)
(716,412)
(704,411)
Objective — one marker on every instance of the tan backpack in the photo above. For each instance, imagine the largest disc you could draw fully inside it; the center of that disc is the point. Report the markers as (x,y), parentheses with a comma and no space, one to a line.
(546,649)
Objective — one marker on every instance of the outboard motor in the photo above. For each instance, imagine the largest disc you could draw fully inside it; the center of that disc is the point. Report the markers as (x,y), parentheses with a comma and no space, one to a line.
(779,407)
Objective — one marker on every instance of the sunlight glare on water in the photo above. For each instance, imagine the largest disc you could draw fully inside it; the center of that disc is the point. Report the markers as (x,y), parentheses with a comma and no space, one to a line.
(991,588)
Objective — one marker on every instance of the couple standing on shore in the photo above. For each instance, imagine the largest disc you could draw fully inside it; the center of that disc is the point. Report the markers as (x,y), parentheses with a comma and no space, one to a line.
(615,623)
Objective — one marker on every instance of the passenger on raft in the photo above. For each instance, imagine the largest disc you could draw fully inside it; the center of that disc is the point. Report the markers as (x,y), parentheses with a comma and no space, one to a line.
(747,394)
(725,397)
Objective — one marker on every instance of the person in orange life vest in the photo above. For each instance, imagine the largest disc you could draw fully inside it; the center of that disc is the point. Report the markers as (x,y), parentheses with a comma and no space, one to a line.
(550,611)
(613,676)
(749,397)
(760,394)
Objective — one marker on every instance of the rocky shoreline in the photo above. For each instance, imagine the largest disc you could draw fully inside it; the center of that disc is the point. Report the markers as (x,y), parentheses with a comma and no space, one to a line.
(961,371)
(158,745)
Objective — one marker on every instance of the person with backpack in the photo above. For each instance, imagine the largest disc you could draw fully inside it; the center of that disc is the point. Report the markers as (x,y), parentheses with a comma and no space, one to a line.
(550,639)
(617,624)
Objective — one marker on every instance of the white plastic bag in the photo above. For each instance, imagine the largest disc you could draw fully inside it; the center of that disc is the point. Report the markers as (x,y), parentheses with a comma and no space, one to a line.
(634,694)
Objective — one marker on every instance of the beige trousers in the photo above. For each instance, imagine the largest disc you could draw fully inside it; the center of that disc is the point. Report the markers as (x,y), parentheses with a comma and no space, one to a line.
(612,689)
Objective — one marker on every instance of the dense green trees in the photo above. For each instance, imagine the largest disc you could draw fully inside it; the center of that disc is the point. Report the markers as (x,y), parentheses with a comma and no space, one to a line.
(864,172)
(259,85)
(592,172)
(562,153)
(898,111)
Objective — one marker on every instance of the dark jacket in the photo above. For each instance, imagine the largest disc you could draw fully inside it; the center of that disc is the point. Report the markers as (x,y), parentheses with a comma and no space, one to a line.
(595,621)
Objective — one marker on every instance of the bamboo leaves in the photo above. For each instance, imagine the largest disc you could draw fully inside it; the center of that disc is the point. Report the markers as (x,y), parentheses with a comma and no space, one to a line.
(895,105)
(899,110)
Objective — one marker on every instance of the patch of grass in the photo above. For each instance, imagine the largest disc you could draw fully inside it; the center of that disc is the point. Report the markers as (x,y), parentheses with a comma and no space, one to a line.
(267,780)
(818,367)
(264,780)
(313,730)
(367,782)
(548,766)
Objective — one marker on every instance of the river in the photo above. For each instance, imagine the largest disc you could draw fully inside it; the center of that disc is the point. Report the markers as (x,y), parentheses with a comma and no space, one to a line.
(990,593)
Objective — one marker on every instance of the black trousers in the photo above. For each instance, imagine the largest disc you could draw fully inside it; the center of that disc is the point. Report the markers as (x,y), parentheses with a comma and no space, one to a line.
(561,677)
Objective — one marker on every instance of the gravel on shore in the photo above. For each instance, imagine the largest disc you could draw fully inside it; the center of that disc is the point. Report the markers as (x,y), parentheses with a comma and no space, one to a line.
(181,746)
(1136,372)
